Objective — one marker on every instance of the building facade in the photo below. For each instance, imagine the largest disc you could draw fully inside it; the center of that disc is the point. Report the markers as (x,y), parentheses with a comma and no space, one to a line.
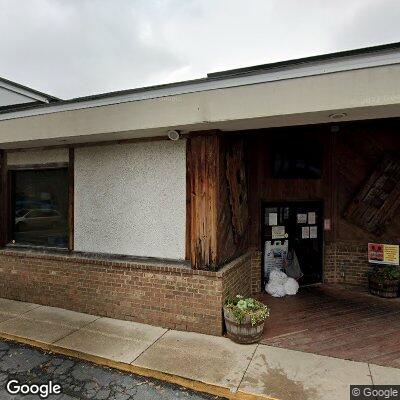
(102,213)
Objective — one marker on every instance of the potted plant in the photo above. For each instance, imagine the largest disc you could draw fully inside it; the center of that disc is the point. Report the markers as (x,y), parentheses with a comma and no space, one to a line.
(384,281)
(244,319)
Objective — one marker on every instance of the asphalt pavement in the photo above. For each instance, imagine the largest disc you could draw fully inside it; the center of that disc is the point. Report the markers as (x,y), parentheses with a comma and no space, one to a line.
(78,380)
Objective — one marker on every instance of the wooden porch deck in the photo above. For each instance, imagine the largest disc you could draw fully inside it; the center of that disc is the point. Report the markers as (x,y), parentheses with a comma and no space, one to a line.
(337,321)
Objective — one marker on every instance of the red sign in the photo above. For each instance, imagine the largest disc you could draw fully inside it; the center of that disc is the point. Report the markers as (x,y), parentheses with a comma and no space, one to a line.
(375,252)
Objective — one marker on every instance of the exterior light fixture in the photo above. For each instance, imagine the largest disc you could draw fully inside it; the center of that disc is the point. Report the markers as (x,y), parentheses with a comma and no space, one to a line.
(173,135)
(338,115)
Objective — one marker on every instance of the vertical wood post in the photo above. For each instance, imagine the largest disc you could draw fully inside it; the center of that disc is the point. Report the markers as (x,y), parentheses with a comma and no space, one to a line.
(203,177)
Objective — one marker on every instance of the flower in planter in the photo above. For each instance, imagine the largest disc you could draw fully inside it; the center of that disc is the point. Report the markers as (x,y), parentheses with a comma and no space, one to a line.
(242,304)
(385,273)
(384,281)
(247,307)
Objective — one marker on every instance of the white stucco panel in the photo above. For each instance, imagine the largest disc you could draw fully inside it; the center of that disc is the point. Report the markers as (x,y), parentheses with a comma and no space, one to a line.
(131,199)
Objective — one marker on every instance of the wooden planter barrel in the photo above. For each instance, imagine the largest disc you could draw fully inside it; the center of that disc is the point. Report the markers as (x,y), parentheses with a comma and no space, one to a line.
(243,332)
(387,288)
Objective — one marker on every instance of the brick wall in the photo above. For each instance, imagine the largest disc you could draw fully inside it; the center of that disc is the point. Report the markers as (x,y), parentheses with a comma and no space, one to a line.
(346,263)
(243,275)
(330,271)
(237,277)
(174,297)
(256,272)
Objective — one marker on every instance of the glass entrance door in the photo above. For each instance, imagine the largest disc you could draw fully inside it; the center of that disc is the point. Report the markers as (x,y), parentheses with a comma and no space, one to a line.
(293,228)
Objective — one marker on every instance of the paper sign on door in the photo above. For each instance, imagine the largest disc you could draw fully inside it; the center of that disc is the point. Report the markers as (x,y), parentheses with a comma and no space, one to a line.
(305,232)
(278,232)
(273,219)
(313,232)
(301,218)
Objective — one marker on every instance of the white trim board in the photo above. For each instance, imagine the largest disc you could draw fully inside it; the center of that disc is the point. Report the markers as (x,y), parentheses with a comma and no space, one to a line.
(349,63)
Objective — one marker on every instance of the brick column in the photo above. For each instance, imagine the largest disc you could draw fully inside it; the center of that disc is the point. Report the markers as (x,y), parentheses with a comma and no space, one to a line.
(255,265)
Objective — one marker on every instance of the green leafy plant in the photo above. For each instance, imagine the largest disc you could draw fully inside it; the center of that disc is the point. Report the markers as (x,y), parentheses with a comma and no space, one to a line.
(241,308)
(385,273)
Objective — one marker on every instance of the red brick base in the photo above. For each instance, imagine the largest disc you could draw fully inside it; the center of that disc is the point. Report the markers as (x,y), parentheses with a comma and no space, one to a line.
(346,263)
(256,267)
(171,296)
(174,297)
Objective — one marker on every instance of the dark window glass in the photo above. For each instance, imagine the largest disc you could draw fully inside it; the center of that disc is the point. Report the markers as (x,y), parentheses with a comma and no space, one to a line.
(297,160)
(40,207)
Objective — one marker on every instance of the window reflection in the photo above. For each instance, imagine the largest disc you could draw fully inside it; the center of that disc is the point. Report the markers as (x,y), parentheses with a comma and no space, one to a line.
(40,207)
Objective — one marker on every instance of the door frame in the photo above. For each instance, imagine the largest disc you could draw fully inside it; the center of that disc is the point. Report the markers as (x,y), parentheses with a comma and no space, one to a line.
(276,203)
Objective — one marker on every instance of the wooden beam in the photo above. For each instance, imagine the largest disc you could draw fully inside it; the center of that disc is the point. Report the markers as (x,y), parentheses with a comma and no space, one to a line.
(233,218)
(203,174)
(35,167)
(237,187)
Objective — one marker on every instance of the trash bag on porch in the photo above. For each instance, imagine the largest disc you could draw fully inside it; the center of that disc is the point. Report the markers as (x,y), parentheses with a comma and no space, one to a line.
(280,285)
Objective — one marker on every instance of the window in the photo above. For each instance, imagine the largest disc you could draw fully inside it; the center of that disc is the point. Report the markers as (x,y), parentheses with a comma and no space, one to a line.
(297,160)
(39,207)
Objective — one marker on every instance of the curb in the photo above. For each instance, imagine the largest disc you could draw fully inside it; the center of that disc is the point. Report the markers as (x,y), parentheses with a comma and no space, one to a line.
(188,383)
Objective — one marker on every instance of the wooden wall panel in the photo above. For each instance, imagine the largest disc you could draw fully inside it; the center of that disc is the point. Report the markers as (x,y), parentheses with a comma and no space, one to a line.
(350,156)
(373,207)
(217,200)
(233,199)
(202,168)
(360,149)
(264,187)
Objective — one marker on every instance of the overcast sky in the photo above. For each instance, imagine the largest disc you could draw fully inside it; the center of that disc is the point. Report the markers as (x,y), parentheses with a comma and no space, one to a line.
(72,48)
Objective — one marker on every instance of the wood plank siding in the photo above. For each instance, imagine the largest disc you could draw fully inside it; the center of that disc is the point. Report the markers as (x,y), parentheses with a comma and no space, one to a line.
(202,162)
(231,174)
(351,153)
(217,200)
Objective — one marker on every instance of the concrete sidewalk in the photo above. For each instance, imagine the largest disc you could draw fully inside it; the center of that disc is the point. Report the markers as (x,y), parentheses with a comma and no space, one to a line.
(211,364)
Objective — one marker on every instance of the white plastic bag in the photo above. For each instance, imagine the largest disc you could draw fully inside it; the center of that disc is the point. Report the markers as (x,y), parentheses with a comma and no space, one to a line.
(277,276)
(280,284)
(291,286)
(274,289)
(275,286)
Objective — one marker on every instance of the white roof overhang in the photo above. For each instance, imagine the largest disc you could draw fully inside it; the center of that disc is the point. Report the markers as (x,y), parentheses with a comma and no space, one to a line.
(363,87)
